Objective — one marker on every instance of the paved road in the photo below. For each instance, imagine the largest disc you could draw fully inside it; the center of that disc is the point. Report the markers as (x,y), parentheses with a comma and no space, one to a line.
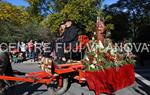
(141,87)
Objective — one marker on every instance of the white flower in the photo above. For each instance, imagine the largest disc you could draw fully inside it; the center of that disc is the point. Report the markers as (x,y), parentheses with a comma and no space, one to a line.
(94,62)
(86,57)
(92,66)
(93,38)
(94,33)
(94,49)
(93,46)
(96,55)
(100,45)
(113,52)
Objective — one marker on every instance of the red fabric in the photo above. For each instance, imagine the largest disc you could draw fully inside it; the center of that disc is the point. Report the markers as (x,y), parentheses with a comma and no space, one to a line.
(110,80)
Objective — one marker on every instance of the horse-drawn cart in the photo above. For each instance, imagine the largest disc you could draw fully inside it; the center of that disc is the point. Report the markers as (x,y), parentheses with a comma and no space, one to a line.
(60,75)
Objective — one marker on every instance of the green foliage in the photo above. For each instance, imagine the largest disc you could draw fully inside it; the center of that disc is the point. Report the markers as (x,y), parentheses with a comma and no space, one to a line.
(11,19)
(13,14)
(34,9)
(83,12)
(45,7)
(17,25)
(42,16)
(52,21)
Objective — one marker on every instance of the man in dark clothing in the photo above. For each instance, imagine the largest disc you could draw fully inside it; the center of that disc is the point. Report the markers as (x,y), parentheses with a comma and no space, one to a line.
(69,39)
(70,34)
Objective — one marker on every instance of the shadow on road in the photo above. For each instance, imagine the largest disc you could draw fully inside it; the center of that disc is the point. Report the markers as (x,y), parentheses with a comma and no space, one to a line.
(25,89)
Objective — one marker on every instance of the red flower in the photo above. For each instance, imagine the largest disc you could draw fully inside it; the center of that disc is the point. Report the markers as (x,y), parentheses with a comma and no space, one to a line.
(101,63)
(91,58)
(112,58)
(109,57)
(98,52)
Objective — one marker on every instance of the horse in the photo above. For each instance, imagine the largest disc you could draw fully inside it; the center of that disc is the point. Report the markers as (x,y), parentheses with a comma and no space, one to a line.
(5,69)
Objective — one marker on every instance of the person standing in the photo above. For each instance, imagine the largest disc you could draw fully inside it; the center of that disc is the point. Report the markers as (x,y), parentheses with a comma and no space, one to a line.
(30,47)
(18,45)
(23,50)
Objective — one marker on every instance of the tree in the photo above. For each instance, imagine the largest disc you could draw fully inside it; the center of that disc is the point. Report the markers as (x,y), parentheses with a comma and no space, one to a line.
(11,19)
(16,24)
(120,23)
(137,12)
(83,12)
(45,16)
(45,7)
(13,14)
(41,8)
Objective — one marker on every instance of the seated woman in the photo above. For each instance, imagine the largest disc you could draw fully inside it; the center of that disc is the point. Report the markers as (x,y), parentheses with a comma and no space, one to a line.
(60,36)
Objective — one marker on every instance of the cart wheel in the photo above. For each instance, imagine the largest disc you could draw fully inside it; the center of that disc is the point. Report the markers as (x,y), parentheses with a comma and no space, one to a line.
(60,86)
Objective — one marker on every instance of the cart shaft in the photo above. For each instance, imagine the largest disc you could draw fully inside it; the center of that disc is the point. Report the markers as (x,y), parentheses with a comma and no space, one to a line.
(28,79)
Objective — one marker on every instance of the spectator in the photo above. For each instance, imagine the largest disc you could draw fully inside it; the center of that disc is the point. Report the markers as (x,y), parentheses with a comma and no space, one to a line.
(18,45)
(15,53)
(36,51)
(23,50)
(30,47)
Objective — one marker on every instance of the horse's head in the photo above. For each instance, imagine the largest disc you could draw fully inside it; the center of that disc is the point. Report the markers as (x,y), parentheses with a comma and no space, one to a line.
(5,65)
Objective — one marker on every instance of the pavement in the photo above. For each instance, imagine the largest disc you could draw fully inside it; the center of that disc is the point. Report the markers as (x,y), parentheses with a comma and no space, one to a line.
(140,87)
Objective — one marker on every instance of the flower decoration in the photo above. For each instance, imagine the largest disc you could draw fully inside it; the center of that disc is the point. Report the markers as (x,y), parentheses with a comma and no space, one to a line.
(99,58)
